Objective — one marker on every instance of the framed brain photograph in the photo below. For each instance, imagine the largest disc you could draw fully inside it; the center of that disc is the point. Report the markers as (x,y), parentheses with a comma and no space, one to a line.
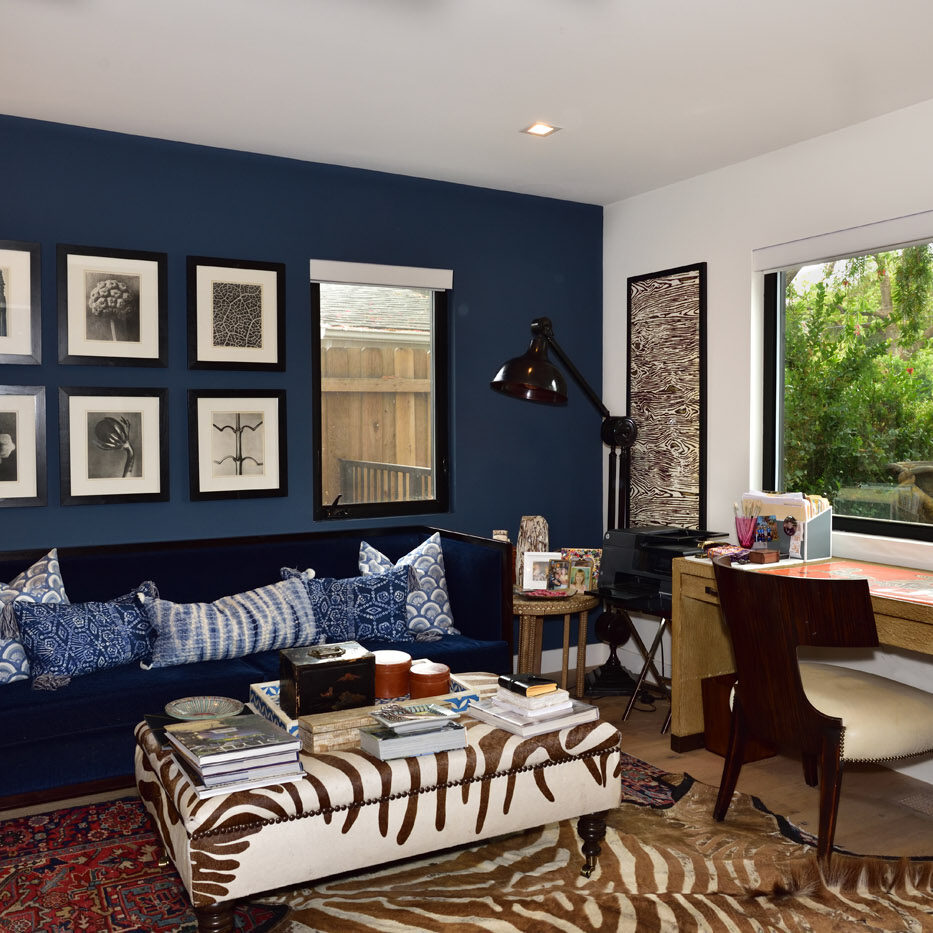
(113,445)
(112,307)
(236,314)
(236,443)
(20,303)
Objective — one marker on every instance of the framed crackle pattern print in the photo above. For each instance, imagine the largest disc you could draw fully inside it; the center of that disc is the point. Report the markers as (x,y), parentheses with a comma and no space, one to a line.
(236,314)
(667,396)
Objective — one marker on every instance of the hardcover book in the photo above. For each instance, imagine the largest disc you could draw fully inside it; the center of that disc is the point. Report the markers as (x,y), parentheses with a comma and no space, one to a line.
(229,739)
(529,685)
(557,697)
(512,720)
(384,743)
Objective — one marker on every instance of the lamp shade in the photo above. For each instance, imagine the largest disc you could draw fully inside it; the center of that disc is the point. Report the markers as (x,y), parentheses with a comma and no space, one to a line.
(532,376)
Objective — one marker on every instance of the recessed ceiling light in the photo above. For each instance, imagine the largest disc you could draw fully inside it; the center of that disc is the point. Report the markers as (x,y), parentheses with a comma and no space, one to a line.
(540,129)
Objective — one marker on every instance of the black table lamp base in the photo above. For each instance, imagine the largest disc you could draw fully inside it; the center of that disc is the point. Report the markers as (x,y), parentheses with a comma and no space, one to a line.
(611,679)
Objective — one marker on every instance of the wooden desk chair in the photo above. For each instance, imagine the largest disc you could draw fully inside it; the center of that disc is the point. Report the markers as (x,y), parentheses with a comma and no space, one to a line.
(829,714)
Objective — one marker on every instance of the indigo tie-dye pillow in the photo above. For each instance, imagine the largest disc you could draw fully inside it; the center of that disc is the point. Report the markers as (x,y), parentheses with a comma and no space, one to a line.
(40,583)
(360,608)
(66,640)
(275,616)
(428,608)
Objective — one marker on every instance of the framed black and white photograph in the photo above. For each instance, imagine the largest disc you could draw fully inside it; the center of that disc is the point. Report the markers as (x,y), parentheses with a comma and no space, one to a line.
(20,303)
(111,307)
(237,444)
(236,314)
(22,446)
(113,445)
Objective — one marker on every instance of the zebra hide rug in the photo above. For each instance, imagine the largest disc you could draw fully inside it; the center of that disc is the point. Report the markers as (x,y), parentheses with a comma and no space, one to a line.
(660,871)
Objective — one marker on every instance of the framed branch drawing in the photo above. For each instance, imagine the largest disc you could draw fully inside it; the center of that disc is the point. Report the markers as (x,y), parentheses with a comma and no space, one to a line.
(236,314)
(20,303)
(22,446)
(667,396)
(114,445)
(111,307)
(236,444)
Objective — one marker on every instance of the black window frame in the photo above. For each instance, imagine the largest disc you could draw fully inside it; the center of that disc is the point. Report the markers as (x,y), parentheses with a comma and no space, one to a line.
(772,421)
(441,429)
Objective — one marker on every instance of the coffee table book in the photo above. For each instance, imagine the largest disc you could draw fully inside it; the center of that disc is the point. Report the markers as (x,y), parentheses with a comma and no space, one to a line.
(544,701)
(512,720)
(239,780)
(384,743)
(529,685)
(228,740)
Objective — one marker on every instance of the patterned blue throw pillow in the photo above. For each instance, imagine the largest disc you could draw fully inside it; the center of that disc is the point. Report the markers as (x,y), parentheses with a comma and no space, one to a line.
(40,583)
(359,608)
(276,616)
(67,640)
(429,613)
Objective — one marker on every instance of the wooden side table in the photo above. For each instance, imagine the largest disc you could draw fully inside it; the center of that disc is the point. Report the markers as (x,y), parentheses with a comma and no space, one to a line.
(531,613)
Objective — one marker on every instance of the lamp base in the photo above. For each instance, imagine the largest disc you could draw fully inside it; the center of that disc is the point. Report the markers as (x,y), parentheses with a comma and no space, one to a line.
(609,680)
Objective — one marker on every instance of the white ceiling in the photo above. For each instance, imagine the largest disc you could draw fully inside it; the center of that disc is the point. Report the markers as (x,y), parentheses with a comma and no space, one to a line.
(647,91)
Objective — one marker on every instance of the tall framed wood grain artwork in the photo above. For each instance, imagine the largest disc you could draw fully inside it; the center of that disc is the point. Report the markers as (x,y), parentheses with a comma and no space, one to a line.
(667,396)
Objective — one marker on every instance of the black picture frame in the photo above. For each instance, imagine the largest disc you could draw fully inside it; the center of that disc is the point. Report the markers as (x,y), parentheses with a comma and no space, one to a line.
(252,461)
(236,314)
(666,395)
(113,445)
(112,306)
(23,463)
(20,303)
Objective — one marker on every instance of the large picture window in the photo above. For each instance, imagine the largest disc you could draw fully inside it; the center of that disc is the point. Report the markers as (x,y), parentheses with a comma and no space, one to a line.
(849,387)
(380,389)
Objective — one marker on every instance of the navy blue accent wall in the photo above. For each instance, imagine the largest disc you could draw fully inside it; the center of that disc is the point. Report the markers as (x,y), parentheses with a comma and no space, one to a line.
(514,257)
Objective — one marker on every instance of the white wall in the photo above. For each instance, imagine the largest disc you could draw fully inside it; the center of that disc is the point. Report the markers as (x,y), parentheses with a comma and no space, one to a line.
(868,173)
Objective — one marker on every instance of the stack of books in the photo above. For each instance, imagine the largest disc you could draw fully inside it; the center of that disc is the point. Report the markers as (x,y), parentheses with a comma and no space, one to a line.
(527,705)
(221,756)
(404,731)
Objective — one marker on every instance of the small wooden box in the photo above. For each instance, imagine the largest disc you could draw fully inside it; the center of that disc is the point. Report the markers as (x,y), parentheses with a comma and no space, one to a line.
(326,678)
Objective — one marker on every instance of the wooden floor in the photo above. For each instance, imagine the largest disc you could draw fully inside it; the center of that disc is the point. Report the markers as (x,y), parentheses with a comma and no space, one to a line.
(880,812)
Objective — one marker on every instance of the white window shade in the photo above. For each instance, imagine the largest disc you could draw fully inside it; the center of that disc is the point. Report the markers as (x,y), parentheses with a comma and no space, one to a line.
(853,241)
(364,273)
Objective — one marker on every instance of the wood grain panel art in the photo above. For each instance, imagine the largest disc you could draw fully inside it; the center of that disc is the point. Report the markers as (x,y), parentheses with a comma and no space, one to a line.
(667,396)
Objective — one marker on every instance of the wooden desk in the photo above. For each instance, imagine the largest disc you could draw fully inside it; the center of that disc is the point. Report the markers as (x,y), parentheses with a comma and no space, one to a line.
(531,613)
(700,644)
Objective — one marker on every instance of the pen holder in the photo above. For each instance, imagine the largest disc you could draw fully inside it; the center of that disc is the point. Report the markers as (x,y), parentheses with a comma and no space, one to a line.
(745,530)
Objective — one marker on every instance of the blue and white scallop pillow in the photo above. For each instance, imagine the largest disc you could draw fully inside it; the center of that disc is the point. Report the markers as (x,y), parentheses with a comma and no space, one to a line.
(40,583)
(428,606)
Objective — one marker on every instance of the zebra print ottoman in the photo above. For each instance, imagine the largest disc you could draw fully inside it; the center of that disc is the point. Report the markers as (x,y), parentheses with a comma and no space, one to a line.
(352,811)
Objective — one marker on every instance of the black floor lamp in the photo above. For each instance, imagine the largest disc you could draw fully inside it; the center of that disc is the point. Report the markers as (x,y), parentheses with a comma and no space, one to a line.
(534,377)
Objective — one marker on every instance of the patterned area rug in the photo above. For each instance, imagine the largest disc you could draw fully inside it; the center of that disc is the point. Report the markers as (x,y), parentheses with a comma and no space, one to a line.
(665,867)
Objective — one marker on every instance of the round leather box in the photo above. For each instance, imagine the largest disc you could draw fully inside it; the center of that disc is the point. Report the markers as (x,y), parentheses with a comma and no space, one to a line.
(391,674)
(428,679)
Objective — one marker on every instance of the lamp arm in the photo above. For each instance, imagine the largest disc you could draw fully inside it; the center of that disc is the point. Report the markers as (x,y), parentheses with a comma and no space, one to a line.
(543,326)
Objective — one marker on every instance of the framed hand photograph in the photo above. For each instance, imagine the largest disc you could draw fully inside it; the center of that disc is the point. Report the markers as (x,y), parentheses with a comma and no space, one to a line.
(22,446)
(535,569)
(20,303)
(114,445)
(236,444)
(236,314)
(111,307)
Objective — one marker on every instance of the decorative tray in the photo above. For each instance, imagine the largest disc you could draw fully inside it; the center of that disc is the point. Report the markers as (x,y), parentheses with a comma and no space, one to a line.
(543,594)
(193,708)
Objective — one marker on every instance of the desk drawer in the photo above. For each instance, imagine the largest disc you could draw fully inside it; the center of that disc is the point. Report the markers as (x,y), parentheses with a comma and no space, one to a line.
(702,588)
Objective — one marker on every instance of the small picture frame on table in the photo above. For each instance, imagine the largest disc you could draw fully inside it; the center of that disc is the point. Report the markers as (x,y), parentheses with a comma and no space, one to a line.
(581,576)
(236,314)
(22,446)
(535,569)
(113,445)
(589,556)
(558,575)
(112,307)
(20,303)
(237,444)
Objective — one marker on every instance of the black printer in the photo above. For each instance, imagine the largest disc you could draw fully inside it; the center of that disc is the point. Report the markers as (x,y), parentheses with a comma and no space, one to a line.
(635,568)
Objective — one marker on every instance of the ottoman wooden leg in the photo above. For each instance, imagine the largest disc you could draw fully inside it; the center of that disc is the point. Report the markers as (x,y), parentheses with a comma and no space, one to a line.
(592,830)
(218,918)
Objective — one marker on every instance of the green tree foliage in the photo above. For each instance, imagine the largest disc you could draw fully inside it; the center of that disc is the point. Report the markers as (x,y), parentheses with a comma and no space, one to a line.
(858,370)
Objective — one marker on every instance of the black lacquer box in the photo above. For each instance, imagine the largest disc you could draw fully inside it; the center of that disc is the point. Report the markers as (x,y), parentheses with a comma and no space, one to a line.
(326,678)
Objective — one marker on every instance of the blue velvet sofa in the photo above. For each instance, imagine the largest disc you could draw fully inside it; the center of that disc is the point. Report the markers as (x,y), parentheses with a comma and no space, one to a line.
(79,739)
